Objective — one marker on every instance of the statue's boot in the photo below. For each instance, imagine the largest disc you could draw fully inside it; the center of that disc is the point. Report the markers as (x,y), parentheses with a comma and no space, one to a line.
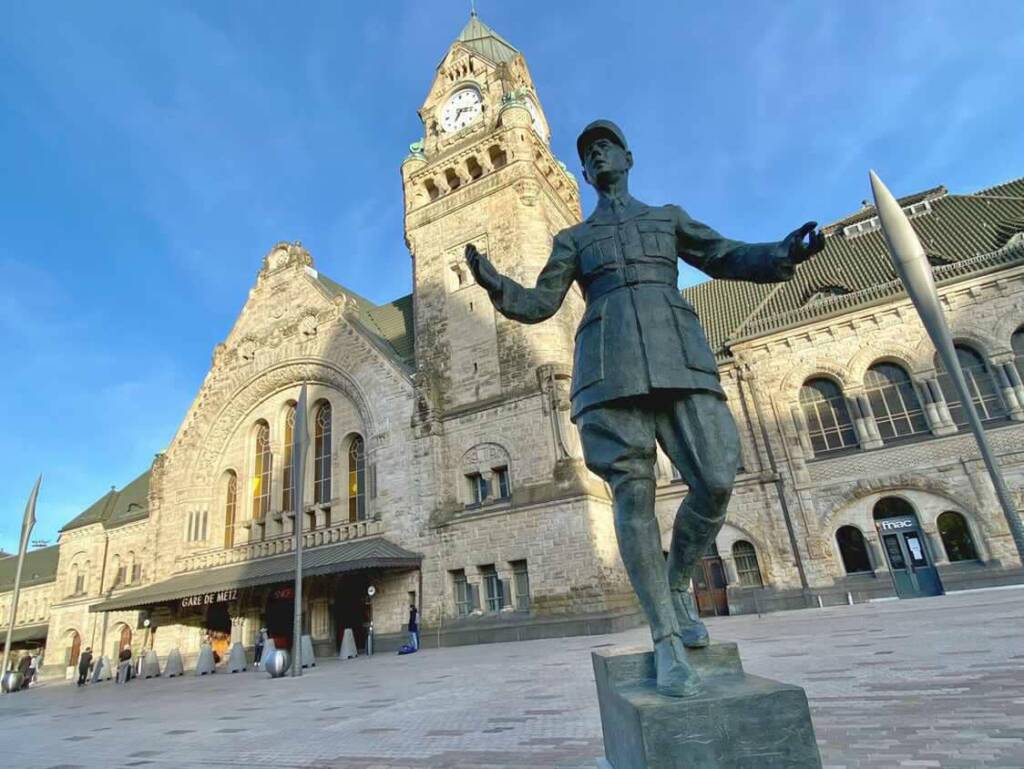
(675,676)
(691,536)
(693,631)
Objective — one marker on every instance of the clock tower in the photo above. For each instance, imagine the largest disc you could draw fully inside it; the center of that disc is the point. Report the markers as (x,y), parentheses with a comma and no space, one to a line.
(483,173)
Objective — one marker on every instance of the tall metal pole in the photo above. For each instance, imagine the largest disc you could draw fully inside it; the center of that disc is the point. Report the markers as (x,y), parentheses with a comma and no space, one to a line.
(26,529)
(299,441)
(912,266)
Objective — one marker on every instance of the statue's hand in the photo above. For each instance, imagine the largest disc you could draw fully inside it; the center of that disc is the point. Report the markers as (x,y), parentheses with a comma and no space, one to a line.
(803,243)
(483,271)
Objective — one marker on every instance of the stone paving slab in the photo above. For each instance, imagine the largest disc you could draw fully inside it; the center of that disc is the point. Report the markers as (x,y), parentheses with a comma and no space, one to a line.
(929,683)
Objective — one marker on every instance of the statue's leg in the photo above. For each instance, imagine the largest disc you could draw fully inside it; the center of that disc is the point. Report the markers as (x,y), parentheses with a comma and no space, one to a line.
(618,445)
(698,433)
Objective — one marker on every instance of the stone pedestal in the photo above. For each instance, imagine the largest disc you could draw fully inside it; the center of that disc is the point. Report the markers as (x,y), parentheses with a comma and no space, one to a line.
(738,721)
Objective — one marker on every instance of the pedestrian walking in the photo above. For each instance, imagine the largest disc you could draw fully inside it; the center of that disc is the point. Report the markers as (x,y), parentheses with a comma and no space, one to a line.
(33,670)
(261,640)
(414,628)
(84,665)
(23,667)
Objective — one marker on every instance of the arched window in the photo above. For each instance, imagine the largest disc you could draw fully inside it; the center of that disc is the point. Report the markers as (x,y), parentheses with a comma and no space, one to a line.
(287,481)
(747,568)
(892,507)
(261,473)
(322,455)
(356,480)
(956,537)
(894,402)
(827,416)
(230,508)
(1017,342)
(980,382)
(853,549)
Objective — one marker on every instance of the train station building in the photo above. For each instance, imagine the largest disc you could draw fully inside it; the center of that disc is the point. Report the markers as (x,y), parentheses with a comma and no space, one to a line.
(444,470)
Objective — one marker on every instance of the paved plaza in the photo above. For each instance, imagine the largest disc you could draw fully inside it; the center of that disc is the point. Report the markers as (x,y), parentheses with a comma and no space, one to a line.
(929,683)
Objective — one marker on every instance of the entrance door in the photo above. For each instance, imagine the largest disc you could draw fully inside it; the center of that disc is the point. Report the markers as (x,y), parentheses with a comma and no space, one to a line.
(75,649)
(280,615)
(352,608)
(913,574)
(709,585)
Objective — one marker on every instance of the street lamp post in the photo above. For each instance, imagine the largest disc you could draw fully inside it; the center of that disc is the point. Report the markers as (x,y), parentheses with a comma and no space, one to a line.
(26,529)
(299,441)
(912,266)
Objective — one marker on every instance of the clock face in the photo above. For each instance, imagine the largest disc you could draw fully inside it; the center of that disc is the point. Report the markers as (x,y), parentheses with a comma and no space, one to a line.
(461,109)
(538,126)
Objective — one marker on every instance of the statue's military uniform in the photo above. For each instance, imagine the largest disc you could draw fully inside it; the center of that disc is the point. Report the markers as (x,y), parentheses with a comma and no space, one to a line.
(643,370)
(625,259)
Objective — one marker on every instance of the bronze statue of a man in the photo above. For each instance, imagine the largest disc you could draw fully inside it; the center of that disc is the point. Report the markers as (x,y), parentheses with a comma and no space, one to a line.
(644,372)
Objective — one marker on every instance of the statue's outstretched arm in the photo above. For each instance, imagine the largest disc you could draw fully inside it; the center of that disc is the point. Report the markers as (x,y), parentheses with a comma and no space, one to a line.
(528,305)
(702,247)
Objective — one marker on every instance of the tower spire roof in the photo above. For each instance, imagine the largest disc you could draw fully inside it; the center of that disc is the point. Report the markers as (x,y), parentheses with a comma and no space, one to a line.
(483,40)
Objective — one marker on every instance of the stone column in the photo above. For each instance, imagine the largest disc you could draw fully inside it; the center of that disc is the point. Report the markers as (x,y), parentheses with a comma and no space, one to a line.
(1015,380)
(875,554)
(945,425)
(802,433)
(864,421)
(732,577)
(250,627)
(508,586)
(238,629)
(477,598)
(1013,404)
(935,547)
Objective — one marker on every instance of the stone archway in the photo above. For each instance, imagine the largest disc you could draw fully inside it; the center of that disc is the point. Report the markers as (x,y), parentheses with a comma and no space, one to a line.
(209,443)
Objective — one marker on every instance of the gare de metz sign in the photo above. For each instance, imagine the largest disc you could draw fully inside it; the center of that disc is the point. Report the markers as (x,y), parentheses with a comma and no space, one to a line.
(205,599)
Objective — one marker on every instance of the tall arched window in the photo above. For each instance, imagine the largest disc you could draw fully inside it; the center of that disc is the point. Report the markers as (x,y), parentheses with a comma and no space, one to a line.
(287,481)
(322,455)
(894,401)
(1017,342)
(827,416)
(356,480)
(747,568)
(230,508)
(956,537)
(261,473)
(980,382)
(853,549)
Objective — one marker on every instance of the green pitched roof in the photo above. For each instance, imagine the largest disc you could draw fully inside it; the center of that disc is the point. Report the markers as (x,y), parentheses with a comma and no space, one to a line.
(957,232)
(389,325)
(40,567)
(481,39)
(116,508)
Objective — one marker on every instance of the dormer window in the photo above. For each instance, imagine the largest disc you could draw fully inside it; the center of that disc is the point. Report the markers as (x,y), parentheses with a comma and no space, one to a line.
(823,294)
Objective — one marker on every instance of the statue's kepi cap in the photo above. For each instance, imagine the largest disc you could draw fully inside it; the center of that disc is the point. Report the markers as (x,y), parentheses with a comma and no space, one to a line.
(597,129)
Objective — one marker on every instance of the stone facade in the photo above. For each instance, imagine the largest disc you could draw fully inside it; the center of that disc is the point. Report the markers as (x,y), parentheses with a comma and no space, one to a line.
(450,436)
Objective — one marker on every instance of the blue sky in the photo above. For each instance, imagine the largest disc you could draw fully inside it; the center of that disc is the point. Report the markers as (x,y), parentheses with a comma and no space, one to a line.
(152,153)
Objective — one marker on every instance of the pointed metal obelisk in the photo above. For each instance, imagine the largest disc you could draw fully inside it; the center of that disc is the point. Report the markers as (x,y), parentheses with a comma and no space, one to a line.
(912,266)
(300,440)
(26,529)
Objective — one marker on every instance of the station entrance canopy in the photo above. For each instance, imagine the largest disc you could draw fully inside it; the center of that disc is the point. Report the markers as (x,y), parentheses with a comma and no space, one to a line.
(373,553)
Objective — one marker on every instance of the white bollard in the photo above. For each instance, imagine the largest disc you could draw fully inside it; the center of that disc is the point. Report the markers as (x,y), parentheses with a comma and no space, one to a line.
(308,657)
(348,645)
(174,667)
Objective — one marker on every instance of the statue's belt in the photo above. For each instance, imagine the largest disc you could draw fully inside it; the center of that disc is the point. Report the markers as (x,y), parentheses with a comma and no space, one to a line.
(629,275)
